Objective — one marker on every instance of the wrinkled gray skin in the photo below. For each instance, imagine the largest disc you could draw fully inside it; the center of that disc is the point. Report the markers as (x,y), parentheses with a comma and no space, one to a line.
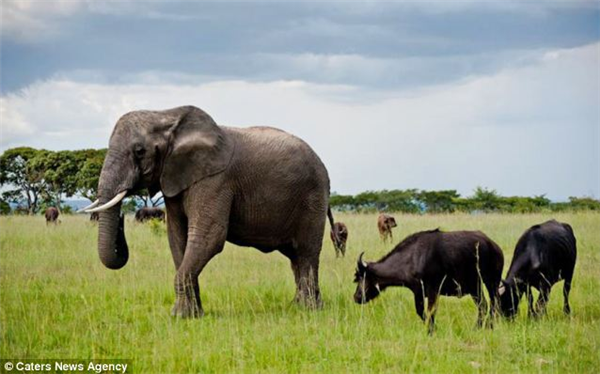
(258,187)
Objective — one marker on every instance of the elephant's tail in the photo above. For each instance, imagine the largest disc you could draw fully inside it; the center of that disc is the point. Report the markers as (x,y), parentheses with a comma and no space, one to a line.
(337,242)
(330,216)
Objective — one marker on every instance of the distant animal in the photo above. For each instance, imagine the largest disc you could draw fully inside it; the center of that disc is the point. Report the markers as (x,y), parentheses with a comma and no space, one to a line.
(95,216)
(433,263)
(339,237)
(255,187)
(51,215)
(385,224)
(544,255)
(147,213)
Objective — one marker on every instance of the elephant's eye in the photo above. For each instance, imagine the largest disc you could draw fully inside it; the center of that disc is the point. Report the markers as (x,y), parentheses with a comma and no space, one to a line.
(139,151)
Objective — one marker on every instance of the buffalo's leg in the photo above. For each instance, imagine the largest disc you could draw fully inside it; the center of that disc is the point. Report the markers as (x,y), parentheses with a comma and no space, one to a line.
(492,289)
(203,243)
(540,307)
(566,291)
(420,303)
(531,313)
(431,309)
(481,307)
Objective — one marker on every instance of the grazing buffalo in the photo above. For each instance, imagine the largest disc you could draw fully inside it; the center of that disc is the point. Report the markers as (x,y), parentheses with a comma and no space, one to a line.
(385,224)
(95,217)
(544,255)
(433,263)
(51,215)
(339,237)
(148,213)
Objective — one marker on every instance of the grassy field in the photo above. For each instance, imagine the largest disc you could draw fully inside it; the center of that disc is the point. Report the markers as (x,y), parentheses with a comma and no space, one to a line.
(58,301)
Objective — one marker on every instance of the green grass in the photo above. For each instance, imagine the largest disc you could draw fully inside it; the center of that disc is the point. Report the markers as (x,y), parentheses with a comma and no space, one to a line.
(58,301)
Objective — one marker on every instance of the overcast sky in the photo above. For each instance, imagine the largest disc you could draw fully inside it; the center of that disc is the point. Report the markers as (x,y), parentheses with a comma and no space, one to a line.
(428,95)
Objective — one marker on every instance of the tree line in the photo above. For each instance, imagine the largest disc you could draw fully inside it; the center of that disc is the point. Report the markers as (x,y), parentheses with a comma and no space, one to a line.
(450,201)
(33,179)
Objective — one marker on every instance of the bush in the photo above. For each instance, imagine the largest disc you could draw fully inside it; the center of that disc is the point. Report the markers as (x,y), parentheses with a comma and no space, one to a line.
(448,201)
(157,227)
(4,208)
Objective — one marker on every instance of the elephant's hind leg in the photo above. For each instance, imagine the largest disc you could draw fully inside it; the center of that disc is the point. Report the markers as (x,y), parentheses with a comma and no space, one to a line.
(305,262)
(306,274)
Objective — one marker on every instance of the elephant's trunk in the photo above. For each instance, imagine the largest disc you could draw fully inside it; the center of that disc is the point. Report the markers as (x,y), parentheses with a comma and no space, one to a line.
(112,246)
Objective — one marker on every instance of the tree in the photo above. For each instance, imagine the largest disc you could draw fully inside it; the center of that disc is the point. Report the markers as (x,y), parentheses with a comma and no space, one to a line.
(342,202)
(129,206)
(486,199)
(439,201)
(4,206)
(400,201)
(145,199)
(89,163)
(59,170)
(28,181)
(584,203)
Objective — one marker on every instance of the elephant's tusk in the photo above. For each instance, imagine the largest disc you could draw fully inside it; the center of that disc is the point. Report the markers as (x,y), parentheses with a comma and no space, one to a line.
(115,200)
(92,205)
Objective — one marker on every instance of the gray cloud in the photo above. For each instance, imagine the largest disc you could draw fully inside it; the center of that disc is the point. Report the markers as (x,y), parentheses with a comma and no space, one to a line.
(530,129)
(430,95)
(376,45)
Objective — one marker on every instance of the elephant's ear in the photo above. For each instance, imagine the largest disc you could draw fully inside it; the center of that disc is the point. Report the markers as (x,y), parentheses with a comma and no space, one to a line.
(197,149)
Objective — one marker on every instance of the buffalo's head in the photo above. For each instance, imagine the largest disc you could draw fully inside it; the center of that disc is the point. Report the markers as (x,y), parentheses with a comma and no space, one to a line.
(391,222)
(367,287)
(509,296)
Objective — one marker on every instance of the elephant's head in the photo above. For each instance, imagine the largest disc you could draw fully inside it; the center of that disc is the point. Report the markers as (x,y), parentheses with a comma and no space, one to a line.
(159,150)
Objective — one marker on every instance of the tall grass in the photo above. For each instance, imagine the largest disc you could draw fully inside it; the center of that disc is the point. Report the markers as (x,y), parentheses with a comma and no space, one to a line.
(58,301)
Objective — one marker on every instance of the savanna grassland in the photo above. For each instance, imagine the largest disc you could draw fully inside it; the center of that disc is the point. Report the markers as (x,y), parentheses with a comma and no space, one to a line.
(58,301)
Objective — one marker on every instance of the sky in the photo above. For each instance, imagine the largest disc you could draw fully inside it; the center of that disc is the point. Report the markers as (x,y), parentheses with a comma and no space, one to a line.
(391,95)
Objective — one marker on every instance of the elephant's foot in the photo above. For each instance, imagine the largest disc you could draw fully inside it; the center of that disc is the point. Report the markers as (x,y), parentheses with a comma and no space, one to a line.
(185,308)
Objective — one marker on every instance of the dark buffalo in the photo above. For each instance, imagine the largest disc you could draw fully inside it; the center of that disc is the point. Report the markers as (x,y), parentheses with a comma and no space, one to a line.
(339,237)
(95,217)
(148,213)
(51,215)
(544,255)
(433,263)
(385,224)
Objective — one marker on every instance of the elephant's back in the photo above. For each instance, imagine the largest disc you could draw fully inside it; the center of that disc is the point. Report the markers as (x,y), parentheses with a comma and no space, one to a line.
(275,152)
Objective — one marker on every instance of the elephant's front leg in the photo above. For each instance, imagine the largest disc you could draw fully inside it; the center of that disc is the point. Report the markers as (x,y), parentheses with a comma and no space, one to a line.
(204,241)
(177,228)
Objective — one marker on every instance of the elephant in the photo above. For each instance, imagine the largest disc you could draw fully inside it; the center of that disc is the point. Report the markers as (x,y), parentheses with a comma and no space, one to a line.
(254,187)
(51,214)
(147,213)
